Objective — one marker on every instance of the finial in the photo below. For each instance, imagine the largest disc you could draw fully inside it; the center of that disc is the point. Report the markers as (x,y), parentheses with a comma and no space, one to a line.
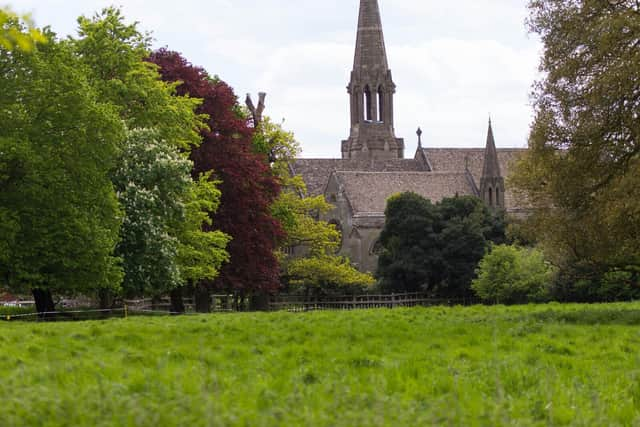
(489,119)
(419,133)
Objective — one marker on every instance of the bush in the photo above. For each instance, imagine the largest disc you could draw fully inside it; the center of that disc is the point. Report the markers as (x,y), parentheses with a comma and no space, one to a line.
(582,282)
(513,275)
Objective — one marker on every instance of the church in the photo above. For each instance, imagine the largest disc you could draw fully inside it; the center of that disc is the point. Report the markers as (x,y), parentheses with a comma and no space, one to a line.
(373,166)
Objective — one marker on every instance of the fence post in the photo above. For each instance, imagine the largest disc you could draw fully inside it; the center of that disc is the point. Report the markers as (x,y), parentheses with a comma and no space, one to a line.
(126,311)
(393,300)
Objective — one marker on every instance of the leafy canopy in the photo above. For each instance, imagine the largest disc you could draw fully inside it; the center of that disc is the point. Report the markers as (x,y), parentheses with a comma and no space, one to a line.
(58,142)
(434,248)
(513,275)
(581,174)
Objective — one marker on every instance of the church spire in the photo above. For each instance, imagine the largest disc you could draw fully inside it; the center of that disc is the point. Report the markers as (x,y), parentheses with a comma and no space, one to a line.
(371,91)
(370,50)
(492,183)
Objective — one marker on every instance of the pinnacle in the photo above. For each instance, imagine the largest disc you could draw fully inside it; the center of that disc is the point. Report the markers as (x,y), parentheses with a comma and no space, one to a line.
(491,167)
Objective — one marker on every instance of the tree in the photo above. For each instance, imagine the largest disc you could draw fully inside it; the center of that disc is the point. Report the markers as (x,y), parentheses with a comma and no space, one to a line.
(201,253)
(58,142)
(409,243)
(16,36)
(116,56)
(162,241)
(307,254)
(435,248)
(581,173)
(513,275)
(150,182)
(248,185)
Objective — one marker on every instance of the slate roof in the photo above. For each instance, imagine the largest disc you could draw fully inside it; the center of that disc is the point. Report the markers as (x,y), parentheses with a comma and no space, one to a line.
(316,172)
(368,192)
(455,159)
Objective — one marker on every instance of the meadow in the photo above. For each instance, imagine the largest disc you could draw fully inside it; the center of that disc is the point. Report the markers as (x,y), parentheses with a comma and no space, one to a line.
(477,366)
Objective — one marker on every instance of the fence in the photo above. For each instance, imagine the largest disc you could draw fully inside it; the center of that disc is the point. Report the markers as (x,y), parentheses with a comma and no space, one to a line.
(225,303)
(358,302)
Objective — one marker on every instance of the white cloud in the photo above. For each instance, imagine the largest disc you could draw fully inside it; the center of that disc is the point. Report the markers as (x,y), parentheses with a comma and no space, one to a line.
(453,62)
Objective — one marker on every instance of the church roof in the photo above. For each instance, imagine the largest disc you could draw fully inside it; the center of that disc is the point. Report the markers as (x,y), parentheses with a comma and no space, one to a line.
(316,172)
(455,160)
(368,192)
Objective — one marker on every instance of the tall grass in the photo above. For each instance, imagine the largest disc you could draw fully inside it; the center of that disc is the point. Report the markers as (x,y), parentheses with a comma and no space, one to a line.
(484,366)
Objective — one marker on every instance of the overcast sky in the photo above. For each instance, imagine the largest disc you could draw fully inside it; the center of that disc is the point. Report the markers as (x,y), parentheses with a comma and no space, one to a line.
(454,62)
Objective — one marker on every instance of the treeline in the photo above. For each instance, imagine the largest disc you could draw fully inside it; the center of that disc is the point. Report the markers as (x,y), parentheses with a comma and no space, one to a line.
(580,178)
(127,173)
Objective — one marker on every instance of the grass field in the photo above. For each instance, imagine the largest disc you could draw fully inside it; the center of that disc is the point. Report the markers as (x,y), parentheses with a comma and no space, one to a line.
(538,365)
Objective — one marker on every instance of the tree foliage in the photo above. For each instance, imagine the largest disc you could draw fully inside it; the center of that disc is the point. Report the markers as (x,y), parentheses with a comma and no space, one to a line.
(581,174)
(248,185)
(151,181)
(434,248)
(162,243)
(115,54)
(58,142)
(18,32)
(307,254)
(513,275)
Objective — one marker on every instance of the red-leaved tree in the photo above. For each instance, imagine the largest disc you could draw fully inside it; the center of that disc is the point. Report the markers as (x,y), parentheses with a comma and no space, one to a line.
(248,185)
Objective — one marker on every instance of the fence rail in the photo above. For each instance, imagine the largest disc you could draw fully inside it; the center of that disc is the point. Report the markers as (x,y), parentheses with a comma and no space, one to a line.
(359,302)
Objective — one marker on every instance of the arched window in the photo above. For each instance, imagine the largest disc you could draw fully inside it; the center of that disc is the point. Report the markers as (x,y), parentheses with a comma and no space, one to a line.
(368,104)
(497,197)
(490,196)
(380,105)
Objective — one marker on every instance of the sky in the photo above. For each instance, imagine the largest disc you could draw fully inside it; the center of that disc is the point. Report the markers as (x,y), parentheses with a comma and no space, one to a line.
(455,63)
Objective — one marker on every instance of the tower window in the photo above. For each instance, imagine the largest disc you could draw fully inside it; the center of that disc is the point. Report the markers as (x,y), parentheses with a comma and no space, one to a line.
(498,197)
(380,105)
(490,196)
(368,104)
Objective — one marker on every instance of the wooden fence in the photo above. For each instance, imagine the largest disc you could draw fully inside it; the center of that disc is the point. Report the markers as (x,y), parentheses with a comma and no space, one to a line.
(358,302)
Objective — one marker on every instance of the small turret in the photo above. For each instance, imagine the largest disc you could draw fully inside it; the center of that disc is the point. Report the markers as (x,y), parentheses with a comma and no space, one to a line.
(492,182)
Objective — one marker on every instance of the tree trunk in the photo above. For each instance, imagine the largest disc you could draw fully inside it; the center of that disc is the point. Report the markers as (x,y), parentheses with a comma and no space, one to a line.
(44,303)
(202,298)
(106,298)
(177,303)
(259,301)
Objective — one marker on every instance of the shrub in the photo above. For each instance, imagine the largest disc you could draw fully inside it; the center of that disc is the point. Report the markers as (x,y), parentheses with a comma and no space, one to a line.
(512,275)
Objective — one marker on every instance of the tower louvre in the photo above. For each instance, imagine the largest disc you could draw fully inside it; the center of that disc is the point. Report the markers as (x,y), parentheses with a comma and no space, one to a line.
(371,92)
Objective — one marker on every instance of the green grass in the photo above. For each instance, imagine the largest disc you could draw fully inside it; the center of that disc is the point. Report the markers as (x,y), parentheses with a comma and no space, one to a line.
(485,366)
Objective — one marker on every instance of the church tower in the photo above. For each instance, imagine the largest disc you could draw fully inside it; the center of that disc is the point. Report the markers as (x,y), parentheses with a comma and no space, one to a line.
(492,182)
(371,93)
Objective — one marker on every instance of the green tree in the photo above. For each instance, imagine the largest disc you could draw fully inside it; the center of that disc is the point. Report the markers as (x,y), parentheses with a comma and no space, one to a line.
(116,55)
(581,173)
(435,248)
(513,275)
(58,142)
(167,238)
(201,250)
(18,32)
(308,253)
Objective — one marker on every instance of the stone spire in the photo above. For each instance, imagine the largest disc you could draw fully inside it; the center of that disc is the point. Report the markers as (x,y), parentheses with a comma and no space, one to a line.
(371,92)
(371,53)
(492,182)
